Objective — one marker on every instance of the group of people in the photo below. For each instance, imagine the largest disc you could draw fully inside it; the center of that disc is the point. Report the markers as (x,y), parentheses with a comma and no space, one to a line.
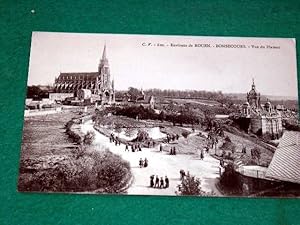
(113,138)
(143,163)
(134,148)
(173,151)
(171,137)
(151,144)
(159,183)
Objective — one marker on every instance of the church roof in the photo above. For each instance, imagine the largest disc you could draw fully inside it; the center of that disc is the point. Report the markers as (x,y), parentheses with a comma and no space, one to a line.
(80,74)
(285,165)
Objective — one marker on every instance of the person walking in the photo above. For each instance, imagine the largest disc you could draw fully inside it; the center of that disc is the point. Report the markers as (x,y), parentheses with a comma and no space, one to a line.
(171,151)
(174,151)
(222,162)
(161,183)
(145,162)
(182,174)
(140,148)
(156,181)
(126,148)
(166,182)
(201,155)
(152,181)
(141,163)
(160,148)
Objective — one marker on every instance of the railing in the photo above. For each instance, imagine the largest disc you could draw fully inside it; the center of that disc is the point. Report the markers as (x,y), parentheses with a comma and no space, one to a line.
(252,173)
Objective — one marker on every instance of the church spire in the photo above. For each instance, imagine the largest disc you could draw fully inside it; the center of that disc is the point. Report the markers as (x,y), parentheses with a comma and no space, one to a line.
(104,52)
(253,84)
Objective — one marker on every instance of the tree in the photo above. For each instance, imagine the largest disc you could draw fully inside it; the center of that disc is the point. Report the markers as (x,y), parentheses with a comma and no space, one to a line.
(255,154)
(229,178)
(89,138)
(190,185)
(134,93)
(36,92)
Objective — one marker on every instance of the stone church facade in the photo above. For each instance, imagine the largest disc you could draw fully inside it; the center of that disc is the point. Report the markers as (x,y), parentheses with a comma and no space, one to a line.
(99,83)
(263,118)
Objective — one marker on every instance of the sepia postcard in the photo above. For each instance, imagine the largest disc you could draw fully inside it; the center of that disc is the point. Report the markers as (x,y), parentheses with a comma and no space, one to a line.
(161,115)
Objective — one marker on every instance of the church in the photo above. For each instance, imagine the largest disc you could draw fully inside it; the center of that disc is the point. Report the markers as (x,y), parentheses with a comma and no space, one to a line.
(99,83)
(262,118)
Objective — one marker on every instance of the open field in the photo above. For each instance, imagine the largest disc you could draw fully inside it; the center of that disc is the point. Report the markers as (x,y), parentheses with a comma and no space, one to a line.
(51,162)
(45,135)
(197,101)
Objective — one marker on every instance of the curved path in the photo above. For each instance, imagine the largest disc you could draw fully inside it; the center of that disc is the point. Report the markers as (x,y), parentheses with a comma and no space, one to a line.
(161,164)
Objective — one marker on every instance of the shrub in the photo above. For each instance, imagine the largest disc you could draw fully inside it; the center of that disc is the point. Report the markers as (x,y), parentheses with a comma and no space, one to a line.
(190,185)
(99,171)
(142,136)
(89,137)
(185,134)
(230,178)
(227,139)
(112,172)
(79,151)
(228,146)
(74,136)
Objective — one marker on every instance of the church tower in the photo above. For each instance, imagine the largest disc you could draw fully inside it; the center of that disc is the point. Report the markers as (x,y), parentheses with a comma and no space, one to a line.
(106,90)
(104,71)
(253,97)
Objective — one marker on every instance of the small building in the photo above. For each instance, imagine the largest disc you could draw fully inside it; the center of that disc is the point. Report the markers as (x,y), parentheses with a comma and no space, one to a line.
(147,101)
(83,94)
(285,164)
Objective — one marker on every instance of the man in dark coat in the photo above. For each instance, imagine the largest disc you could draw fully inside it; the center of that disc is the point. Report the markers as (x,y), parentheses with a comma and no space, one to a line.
(126,148)
(152,181)
(141,163)
(201,155)
(156,181)
(161,183)
(145,162)
(166,182)
(160,148)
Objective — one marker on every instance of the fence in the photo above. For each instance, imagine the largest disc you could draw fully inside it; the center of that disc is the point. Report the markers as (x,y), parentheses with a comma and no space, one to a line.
(255,173)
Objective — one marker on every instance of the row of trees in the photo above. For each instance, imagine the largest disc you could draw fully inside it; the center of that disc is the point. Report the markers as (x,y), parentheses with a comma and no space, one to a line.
(38,92)
(141,112)
(185,94)
(135,93)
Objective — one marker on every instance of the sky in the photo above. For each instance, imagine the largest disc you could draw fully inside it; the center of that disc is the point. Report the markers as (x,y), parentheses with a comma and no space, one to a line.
(170,62)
